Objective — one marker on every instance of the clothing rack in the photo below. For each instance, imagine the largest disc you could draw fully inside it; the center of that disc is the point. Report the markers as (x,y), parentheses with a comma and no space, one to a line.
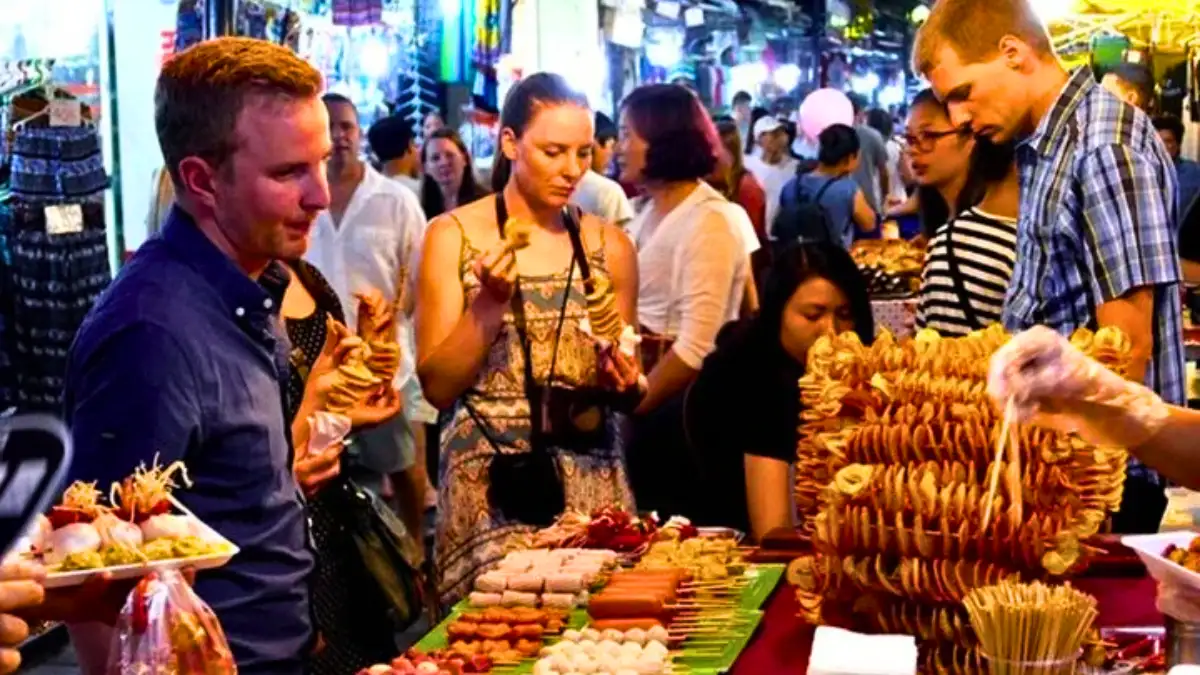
(18,78)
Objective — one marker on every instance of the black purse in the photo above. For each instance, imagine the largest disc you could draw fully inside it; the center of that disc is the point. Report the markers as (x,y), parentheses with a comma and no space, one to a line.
(526,487)
(392,557)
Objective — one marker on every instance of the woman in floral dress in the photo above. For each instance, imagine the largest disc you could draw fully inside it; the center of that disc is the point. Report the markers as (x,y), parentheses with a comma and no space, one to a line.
(499,479)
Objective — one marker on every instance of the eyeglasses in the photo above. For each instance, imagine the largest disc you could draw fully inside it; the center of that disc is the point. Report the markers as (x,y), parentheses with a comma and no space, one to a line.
(925,140)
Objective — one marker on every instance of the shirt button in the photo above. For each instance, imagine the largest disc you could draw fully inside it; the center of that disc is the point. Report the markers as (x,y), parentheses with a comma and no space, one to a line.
(240,311)
(267,303)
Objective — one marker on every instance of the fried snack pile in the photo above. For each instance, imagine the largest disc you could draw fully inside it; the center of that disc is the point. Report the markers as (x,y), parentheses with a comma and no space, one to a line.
(377,327)
(890,266)
(896,447)
(356,381)
(602,310)
(708,559)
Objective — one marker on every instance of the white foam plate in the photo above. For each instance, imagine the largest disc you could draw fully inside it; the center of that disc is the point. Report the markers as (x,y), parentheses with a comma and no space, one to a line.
(138,570)
(1150,548)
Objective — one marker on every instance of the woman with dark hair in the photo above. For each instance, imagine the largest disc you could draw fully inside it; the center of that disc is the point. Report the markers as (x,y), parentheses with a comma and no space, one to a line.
(831,188)
(501,348)
(348,609)
(693,254)
(738,420)
(941,160)
(449,180)
(971,257)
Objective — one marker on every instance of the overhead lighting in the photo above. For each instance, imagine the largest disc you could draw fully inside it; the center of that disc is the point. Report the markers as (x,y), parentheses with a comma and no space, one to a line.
(919,15)
(787,76)
(1053,11)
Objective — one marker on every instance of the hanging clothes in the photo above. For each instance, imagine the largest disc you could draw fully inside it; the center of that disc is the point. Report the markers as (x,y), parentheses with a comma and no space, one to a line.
(8,375)
(189,24)
(58,178)
(487,33)
(357,12)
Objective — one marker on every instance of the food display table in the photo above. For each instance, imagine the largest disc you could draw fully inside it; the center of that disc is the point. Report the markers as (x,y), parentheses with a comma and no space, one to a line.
(782,644)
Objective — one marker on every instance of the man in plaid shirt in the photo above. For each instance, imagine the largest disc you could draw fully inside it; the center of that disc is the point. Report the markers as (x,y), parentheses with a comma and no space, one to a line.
(1095,242)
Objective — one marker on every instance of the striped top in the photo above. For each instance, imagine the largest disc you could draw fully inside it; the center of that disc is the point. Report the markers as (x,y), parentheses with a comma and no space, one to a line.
(983,247)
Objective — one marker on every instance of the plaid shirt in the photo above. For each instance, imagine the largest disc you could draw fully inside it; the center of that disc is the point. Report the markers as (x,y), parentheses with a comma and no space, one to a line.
(1098,216)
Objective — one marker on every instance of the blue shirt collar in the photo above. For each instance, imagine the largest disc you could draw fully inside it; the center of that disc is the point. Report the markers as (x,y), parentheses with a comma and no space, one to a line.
(1045,138)
(243,296)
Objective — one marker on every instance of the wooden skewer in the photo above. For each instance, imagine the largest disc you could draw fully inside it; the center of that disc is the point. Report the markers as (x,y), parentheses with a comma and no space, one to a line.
(1009,410)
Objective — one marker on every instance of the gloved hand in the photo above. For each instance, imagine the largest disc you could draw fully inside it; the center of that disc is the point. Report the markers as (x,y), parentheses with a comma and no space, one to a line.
(1053,384)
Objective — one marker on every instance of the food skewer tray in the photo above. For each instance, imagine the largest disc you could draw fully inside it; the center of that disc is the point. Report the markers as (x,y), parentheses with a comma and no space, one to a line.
(137,570)
(763,580)
(744,626)
(437,638)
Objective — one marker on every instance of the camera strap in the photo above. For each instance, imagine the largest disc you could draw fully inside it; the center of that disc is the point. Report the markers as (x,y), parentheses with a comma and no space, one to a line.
(538,411)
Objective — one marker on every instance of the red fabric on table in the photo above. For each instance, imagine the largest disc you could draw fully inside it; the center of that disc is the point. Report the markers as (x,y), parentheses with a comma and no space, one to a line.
(782,644)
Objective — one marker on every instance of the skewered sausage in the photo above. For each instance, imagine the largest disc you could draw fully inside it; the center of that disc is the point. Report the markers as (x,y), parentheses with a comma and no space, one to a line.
(625,624)
(605,606)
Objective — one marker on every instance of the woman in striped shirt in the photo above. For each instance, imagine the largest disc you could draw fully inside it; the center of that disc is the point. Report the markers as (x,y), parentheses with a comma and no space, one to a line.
(971,256)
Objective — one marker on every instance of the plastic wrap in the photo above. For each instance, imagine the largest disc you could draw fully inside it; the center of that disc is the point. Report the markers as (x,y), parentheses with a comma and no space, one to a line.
(328,429)
(166,629)
(1056,385)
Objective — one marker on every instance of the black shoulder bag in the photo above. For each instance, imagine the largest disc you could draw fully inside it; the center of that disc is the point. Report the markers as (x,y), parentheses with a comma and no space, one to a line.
(526,487)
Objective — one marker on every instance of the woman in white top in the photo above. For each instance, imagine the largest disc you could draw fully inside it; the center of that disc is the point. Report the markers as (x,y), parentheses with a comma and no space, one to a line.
(692,260)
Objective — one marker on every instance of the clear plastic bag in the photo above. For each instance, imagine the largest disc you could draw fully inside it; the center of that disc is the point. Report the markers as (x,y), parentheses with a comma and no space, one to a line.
(166,629)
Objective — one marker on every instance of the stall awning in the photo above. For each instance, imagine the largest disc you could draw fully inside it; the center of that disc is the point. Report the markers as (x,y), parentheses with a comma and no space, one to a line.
(1166,24)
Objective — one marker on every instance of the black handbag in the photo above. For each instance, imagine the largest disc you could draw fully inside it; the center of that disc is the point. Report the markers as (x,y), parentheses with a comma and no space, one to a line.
(392,557)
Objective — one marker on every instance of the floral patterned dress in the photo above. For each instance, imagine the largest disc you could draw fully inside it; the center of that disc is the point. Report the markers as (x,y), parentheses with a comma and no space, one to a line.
(471,534)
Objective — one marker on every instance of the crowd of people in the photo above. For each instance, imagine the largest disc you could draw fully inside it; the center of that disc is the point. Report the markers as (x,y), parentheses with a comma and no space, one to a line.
(1044,199)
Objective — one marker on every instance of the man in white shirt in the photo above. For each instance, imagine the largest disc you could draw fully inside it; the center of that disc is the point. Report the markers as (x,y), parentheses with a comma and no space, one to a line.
(773,166)
(394,144)
(596,193)
(602,197)
(369,238)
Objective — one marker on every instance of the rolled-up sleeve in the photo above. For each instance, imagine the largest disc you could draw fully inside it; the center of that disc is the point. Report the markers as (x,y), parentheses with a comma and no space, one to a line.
(1128,222)
(132,396)
(710,263)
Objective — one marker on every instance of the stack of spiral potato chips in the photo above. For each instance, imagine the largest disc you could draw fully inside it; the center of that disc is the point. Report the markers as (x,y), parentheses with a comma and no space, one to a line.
(898,442)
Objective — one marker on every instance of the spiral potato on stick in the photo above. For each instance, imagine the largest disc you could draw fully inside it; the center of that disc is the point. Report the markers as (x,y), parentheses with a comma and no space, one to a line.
(898,447)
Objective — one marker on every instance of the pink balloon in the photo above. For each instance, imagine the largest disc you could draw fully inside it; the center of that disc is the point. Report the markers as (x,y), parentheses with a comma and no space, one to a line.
(822,108)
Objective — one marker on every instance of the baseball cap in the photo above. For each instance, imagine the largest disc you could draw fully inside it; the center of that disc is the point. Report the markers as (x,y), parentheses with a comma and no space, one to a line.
(766,125)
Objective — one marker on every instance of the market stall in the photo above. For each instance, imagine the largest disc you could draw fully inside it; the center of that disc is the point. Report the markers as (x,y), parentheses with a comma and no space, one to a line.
(606,593)
(901,536)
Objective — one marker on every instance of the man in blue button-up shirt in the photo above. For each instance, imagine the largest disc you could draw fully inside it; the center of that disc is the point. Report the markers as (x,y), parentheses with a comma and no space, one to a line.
(1096,236)
(183,358)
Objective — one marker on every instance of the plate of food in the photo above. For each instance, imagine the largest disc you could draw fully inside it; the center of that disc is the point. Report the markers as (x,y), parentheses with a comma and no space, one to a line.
(140,527)
(1171,557)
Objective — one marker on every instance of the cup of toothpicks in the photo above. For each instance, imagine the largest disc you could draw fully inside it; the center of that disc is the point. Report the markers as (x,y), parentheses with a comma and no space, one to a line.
(1033,629)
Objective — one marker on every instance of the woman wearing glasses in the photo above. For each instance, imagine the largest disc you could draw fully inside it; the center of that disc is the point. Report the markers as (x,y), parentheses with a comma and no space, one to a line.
(968,200)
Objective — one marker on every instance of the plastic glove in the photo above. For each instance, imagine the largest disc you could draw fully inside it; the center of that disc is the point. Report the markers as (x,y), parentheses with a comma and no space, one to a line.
(1055,385)
(1179,602)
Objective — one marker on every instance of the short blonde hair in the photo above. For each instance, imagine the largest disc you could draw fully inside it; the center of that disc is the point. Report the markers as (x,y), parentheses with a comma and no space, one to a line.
(202,91)
(974,28)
